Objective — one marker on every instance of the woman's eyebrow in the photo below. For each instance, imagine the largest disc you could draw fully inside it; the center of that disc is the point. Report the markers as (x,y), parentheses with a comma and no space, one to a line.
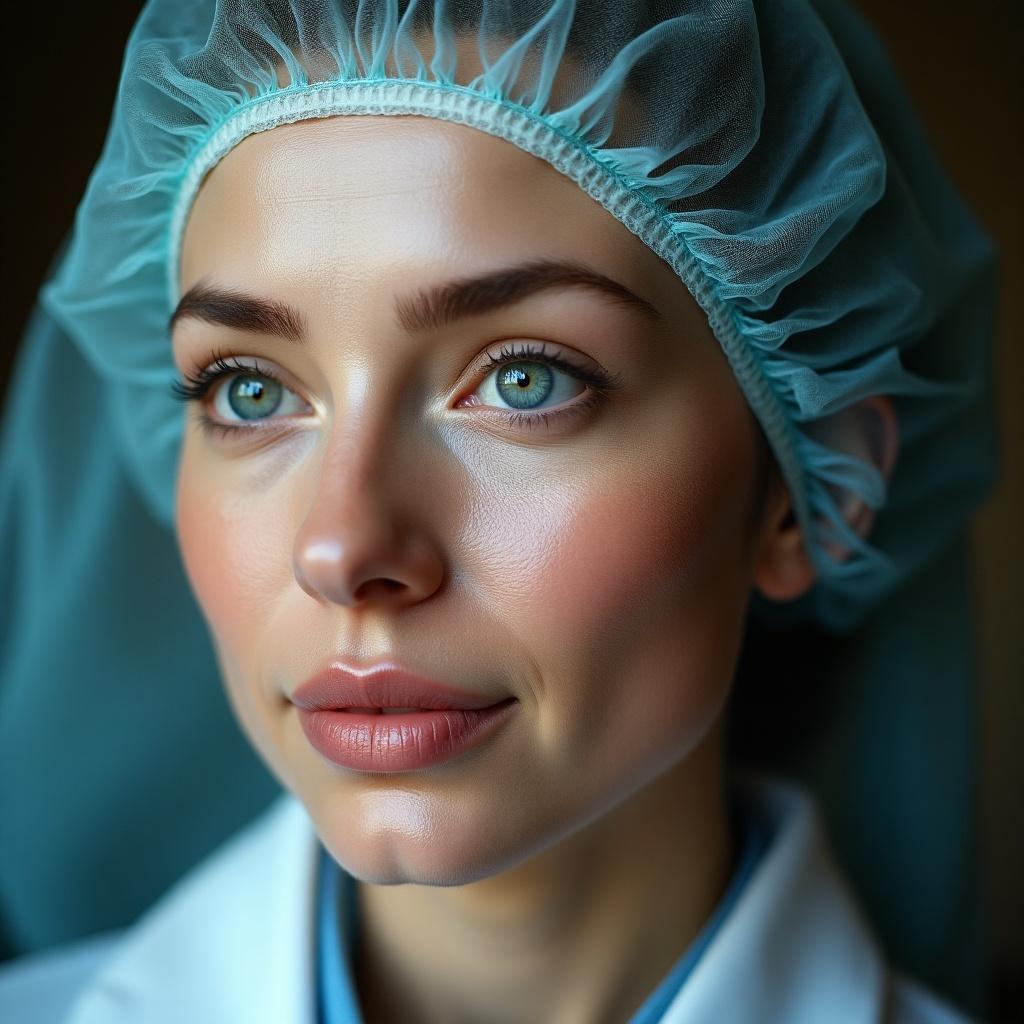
(428,309)
(239,310)
(440,305)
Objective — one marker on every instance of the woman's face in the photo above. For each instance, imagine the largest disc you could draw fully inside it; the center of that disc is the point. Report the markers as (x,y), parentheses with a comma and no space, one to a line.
(513,533)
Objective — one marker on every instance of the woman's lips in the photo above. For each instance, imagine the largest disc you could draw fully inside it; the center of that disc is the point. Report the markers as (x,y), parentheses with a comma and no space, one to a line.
(399,742)
(384,718)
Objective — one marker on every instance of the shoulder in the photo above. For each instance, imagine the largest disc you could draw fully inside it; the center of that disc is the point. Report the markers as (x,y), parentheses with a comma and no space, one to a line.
(911,1003)
(41,987)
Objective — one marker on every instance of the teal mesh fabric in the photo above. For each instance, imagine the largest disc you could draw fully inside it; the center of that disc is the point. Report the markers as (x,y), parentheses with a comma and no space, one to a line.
(743,142)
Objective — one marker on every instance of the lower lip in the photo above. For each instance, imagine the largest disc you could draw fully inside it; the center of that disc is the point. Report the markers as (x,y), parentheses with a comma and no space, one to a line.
(403,742)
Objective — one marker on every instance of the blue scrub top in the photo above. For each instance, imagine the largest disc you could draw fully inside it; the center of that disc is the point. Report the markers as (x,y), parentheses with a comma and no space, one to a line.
(336,933)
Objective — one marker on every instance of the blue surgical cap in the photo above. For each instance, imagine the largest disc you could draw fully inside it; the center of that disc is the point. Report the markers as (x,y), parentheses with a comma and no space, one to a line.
(761,149)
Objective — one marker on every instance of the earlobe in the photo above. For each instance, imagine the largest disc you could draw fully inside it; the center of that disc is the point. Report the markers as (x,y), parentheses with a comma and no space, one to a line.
(867,430)
(782,570)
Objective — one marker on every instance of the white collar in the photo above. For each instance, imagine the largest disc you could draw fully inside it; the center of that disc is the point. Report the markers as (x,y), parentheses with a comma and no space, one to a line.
(233,941)
(796,948)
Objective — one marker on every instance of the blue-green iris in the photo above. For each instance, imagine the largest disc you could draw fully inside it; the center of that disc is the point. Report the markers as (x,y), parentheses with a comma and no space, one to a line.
(253,397)
(525,384)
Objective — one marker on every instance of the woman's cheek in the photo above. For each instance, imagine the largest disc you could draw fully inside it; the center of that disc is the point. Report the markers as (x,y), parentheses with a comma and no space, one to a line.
(233,535)
(634,539)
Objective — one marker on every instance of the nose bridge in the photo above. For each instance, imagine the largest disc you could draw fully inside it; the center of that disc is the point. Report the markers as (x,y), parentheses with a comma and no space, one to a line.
(362,538)
(360,483)
(364,432)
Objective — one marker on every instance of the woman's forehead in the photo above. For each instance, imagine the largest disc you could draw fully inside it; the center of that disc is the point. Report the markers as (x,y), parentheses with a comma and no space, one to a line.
(359,195)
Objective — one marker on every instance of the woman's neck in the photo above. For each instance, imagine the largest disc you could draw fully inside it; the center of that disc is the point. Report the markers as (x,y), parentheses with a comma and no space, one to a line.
(580,933)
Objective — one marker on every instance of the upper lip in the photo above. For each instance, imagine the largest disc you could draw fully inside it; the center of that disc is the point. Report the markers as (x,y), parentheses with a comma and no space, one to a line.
(383,685)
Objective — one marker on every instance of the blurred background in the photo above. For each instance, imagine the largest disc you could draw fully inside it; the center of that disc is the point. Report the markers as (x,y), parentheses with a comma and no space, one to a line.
(962,66)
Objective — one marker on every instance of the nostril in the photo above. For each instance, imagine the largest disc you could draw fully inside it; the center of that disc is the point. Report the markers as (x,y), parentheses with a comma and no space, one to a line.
(381,585)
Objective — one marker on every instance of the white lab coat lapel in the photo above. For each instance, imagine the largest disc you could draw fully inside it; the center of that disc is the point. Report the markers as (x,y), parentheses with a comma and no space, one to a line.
(234,940)
(795,948)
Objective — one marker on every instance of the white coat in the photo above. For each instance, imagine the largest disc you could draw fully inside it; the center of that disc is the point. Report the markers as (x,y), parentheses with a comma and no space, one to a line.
(233,943)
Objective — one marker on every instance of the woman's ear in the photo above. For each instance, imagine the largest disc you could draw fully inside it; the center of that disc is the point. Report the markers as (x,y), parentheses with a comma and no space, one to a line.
(868,430)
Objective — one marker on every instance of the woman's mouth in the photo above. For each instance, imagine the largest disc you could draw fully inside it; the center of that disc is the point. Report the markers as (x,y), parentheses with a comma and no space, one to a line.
(342,711)
(410,739)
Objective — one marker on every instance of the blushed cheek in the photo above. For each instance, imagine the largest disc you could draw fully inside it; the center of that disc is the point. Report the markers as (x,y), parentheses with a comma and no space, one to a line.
(651,540)
(610,563)
(236,555)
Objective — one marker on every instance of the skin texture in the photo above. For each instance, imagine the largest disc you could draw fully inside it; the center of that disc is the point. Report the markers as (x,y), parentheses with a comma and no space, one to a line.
(598,570)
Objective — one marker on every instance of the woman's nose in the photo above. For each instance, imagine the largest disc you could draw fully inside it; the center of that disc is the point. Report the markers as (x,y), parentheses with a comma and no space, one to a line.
(356,547)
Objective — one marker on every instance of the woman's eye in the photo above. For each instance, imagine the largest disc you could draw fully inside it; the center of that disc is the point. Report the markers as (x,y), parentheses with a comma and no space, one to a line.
(527,384)
(534,386)
(244,397)
(233,398)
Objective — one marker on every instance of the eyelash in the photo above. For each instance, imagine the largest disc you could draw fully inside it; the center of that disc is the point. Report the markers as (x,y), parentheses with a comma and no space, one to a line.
(194,387)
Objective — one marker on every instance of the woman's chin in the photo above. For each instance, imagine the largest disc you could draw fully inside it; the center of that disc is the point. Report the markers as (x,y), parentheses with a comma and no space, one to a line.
(398,860)
(395,836)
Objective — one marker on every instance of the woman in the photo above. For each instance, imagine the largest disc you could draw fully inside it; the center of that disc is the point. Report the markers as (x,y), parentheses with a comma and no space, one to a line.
(501,409)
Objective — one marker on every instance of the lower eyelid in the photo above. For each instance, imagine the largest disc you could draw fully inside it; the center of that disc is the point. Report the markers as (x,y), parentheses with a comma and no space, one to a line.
(538,419)
(237,433)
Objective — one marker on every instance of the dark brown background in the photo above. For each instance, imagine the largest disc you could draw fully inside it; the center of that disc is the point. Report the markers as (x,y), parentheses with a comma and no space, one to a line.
(962,65)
